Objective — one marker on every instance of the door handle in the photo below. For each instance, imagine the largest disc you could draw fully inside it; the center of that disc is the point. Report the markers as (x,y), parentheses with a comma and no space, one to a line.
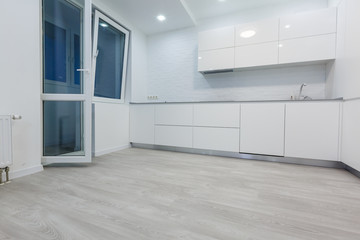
(83,70)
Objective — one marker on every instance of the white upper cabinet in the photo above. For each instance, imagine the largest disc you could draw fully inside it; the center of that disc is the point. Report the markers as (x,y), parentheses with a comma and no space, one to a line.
(312,130)
(174,114)
(308,49)
(257,32)
(249,55)
(219,59)
(217,38)
(262,128)
(308,24)
(217,115)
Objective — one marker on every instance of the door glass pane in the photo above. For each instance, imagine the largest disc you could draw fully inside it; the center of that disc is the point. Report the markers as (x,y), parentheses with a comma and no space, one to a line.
(63,128)
(62,47)
(109,61)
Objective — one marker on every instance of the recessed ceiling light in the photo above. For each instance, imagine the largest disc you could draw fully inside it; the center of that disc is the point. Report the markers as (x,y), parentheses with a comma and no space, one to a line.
(103,24)
(287,26)
(247,34)
(161,18)
(222,0)
(281,45)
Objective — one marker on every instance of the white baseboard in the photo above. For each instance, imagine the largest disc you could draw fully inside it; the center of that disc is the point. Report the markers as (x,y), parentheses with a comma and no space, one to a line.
(23,172)
(111,150)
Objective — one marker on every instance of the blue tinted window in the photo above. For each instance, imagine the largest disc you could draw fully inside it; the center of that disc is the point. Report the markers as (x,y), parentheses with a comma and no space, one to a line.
(55,53)
(109,62)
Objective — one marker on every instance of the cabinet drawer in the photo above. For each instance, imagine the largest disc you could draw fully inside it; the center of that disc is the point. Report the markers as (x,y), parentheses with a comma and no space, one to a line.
(174,114)
(176,136)
(217,115)
(220,139)
(257,55)
(307,49)
(308,24)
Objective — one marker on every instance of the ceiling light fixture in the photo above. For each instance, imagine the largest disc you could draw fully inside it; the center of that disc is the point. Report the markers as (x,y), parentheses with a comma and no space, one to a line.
(247,34)
(287,26)
(161,18)
(103,24)
(222,0)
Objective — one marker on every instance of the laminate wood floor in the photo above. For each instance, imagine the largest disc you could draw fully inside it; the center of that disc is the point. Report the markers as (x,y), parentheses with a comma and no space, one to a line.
(147,194)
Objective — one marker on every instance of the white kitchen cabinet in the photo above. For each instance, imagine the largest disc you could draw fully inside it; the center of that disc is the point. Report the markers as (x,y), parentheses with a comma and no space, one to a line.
(217,114)
(142,123)
(308,49)
(219,139)
(216,38)
(312,130)
(257,55)
(175,136)
(174,114)
(219,59)
(257,32)
(262,127)
(308,24)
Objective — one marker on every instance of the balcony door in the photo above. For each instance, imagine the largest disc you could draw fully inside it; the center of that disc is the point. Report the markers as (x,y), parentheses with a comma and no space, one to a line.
(66,85)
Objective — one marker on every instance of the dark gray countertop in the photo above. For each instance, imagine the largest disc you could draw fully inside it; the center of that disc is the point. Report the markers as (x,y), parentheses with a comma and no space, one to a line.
(253,101)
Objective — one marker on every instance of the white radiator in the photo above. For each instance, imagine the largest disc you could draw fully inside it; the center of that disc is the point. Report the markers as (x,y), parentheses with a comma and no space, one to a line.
(5,141)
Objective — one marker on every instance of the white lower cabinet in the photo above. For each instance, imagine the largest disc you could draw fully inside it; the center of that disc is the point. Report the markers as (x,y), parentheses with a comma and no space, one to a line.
(175,136)
(142,123)
(262,128)
(220,139)
(312,130)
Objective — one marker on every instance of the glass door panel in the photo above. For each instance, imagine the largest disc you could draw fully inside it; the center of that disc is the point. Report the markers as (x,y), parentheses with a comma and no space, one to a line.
(62,27)
(63,128)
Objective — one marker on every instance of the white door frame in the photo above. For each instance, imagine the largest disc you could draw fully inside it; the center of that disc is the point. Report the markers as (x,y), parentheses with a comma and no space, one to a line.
(85,98)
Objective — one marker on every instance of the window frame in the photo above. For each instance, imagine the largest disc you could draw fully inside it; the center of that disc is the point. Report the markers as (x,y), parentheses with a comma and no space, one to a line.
(99,15)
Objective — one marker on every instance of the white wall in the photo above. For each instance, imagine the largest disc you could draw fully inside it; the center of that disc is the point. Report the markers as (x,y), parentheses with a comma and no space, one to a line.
(172,65)
(20,76)
(344,79)
(111,121)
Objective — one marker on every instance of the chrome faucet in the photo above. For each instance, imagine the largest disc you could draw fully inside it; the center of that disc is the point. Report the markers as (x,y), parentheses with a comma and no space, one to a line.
(301,89)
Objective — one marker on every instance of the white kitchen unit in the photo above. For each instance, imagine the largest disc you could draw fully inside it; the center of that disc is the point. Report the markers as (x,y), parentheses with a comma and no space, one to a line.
(262,127)
(142,123)
(174,114)
(257,32)
(215,60)
(312,130)
(217,38)
(175,136)
(217,115)
(257,55)
(219,139)
(315,48)
(308,24)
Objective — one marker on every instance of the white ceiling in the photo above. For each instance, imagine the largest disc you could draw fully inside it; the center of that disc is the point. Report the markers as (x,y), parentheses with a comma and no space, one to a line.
(142,14)
(183,13)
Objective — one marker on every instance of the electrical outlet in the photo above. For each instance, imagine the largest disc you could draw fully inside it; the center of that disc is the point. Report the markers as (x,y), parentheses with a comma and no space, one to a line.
(152,98)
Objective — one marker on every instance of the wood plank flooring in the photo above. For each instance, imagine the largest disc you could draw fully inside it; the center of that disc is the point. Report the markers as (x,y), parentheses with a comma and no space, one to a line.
(147,194)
